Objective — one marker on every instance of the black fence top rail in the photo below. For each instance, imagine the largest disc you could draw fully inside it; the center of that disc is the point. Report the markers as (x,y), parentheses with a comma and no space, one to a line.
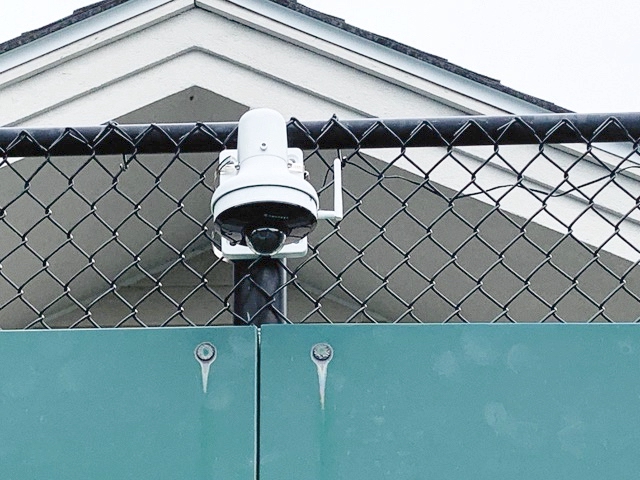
(113,138)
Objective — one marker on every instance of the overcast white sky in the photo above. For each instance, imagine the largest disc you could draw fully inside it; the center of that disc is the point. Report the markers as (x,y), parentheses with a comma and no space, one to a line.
(581,54)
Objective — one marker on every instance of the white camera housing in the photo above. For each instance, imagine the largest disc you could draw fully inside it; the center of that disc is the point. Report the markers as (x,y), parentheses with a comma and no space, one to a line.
(263,206)
(261,196)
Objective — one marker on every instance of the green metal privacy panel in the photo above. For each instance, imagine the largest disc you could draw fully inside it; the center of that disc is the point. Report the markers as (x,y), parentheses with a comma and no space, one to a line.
(128,404)
(450,401)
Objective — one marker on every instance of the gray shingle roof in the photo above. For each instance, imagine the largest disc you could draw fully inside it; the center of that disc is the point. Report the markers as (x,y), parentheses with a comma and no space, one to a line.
(96,8)
(77,16)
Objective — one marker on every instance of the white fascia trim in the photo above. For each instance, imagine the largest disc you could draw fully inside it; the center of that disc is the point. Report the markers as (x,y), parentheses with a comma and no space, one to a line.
(386,55)
(78,31)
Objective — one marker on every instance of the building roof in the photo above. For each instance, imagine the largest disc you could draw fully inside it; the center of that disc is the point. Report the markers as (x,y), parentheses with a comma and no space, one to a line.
(96,8)
(77,16)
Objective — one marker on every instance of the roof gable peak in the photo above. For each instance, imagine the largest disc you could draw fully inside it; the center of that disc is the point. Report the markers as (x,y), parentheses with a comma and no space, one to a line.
(376,41)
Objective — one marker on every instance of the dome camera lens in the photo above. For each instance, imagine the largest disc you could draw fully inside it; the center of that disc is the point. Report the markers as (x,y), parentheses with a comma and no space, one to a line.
(266,240)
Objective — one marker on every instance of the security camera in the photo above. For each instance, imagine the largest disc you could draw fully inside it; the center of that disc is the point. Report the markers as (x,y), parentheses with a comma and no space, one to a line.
(263,206)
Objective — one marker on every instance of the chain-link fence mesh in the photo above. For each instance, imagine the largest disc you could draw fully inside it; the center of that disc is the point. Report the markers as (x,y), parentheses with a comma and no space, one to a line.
(114,229)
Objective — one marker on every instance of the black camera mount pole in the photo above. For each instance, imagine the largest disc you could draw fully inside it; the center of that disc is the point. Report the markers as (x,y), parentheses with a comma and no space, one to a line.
(260,294)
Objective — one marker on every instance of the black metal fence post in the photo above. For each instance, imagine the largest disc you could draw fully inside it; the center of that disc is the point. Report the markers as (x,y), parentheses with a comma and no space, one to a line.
(260,293)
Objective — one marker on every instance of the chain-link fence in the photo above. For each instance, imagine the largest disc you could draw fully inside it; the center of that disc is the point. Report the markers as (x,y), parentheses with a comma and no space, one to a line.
(466,219)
